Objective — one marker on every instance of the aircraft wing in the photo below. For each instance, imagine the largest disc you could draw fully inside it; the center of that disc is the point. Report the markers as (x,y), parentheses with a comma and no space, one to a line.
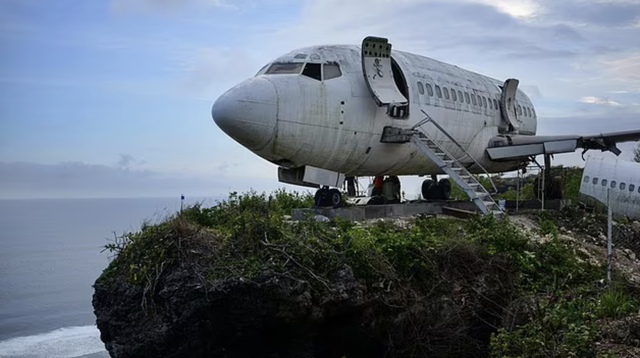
(512,147)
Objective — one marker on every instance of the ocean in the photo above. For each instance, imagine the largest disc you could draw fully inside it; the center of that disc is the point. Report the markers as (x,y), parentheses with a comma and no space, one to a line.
(50,256)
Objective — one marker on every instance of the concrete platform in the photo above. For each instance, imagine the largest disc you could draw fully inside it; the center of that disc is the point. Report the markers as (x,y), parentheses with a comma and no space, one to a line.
(367,212)
(359,213)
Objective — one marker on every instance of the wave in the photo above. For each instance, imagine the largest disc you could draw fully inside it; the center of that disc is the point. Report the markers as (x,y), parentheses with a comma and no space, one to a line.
(65,342)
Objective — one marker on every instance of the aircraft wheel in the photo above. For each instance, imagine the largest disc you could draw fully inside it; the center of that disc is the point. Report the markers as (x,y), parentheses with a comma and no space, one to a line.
(445,189)
(426,185)
(334,198)
(321,197)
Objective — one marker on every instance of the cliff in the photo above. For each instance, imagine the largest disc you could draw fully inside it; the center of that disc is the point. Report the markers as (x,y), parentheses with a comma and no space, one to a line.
(240,280)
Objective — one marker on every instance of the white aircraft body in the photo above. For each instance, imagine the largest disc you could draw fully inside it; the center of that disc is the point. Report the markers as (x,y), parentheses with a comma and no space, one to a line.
(324,113)
(614,183)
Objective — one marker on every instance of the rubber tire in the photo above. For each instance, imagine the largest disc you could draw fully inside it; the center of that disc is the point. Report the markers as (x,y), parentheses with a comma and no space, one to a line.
(334,198)
(426,185)
(320,198)
(445,189)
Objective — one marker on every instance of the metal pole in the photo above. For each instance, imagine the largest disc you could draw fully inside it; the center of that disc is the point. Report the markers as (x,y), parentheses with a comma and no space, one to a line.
(518,191)
(609,237)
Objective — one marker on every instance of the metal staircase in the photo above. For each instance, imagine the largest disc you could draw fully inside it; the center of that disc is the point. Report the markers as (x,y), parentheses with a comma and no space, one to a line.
(456,171)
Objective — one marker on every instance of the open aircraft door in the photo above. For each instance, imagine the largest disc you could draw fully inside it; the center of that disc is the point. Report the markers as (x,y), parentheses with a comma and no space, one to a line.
(378,73)
(508,105)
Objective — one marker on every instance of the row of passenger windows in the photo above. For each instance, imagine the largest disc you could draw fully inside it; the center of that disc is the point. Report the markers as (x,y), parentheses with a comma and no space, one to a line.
(613,184)
(316,71)
(477,100)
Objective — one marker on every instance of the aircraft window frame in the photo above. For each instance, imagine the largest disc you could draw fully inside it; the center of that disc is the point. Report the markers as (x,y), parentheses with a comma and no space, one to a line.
(490,104)
(460,96)
(519,110)
(484,101)
(263,69)
(420,87)
(466,97)
(623,186)
(454,97)
(528,112)
(533,111)
(495,103)
(613,184)
(586,179)
(473,99)
(429,90)
(438,92)
(333,75)
(595,181)
(312,67)
(445,91)
(285,68)
(632,187)
(604,182)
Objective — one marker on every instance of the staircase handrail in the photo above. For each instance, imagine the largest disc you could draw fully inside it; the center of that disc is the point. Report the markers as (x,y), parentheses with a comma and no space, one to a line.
(429,119)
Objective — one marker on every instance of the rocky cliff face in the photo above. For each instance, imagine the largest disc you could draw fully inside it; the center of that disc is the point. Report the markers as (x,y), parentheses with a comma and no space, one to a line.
(277,315)
(219,283)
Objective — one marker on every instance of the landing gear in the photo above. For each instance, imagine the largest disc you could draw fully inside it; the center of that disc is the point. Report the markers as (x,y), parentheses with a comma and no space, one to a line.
(432,190)
(328,197)
(553,188)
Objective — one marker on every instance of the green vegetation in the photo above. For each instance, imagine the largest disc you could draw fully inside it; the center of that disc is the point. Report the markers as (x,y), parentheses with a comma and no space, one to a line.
(546,302)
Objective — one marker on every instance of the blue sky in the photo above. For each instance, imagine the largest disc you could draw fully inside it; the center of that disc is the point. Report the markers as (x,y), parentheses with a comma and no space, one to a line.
(113,97)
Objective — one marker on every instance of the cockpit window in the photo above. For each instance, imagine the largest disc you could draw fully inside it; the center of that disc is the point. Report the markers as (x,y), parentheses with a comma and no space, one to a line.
(331,70)
(312,70)
(284,68)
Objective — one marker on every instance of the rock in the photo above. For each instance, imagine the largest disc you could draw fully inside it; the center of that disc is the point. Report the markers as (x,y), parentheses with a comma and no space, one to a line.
(321,218)
(636,226)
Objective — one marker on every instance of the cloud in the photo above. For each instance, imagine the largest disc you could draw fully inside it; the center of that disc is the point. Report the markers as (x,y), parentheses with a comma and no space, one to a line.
(602,101)
(127,6)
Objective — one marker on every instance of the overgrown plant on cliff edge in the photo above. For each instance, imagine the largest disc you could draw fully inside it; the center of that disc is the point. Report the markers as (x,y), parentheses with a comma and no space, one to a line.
(436,285)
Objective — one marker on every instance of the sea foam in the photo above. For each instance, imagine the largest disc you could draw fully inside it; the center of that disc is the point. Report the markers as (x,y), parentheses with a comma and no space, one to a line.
(65,342)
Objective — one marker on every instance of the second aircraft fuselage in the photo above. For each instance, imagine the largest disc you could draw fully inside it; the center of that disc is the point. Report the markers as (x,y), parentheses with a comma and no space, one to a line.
(313,107)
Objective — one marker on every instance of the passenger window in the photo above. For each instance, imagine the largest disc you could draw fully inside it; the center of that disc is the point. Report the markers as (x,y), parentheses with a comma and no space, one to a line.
(623,186)
(528,111)
(420,87)
(495,104)
(586,179)
(631,187)
(604,182)
(331,70)
(312,70)
(519,110)
(446,92)
(466,97)
(473,99)
(429,90)
(438,92)
(484,101)
(460,96)
(490,104)
(613,184)
(533,111)
(453,95)
(595,181)
(284,68)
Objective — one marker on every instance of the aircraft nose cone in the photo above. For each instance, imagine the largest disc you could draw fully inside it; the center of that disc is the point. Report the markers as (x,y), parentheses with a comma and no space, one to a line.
(247,113)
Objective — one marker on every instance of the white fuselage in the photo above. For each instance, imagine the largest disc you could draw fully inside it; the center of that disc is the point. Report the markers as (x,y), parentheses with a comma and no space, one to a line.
(296,119)
(614,183)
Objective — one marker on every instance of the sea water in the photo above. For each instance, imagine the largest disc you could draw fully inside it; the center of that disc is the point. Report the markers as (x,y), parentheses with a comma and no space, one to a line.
(50,256)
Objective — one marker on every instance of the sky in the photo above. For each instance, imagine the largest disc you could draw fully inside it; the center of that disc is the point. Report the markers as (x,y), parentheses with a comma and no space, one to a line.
(112,98)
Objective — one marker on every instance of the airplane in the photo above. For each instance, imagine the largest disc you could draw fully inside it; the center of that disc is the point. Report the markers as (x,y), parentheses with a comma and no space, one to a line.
(614,183)
(327,114)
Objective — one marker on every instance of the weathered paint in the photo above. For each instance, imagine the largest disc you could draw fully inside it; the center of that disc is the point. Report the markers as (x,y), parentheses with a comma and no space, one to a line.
(336,124)
(622,184)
